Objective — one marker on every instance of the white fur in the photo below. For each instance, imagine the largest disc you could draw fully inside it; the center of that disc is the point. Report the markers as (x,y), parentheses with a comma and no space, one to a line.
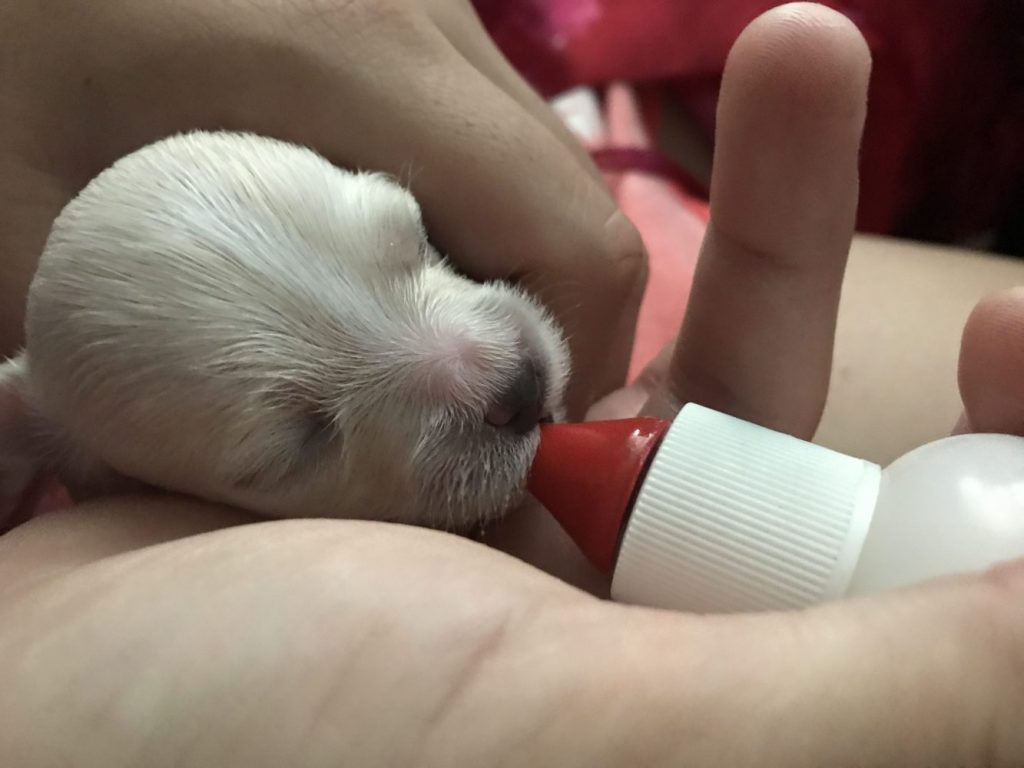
(234,317)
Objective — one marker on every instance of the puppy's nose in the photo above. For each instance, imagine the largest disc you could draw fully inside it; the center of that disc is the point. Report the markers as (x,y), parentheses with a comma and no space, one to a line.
(520,407)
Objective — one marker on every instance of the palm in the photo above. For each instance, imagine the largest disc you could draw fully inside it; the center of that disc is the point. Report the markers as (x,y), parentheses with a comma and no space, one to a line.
(313,643)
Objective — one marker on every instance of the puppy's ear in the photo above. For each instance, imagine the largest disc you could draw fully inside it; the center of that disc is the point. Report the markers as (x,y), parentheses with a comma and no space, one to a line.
(20,460)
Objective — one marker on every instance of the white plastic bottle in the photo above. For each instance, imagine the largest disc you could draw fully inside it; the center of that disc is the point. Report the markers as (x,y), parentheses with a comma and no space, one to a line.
(712,514)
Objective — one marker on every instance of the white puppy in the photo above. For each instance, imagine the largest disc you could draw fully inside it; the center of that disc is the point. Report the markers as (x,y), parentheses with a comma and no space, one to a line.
(233,317)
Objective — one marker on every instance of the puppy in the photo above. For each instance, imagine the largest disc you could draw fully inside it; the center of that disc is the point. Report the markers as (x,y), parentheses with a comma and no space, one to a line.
(233,317)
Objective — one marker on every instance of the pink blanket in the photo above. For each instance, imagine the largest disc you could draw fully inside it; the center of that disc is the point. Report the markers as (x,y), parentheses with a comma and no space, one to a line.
(671,219)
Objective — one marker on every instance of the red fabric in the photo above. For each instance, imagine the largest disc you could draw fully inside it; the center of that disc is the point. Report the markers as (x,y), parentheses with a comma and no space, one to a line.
(670,220)
(944,144)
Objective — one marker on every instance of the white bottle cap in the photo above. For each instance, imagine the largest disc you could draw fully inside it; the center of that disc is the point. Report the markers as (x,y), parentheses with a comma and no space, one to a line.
(735,517)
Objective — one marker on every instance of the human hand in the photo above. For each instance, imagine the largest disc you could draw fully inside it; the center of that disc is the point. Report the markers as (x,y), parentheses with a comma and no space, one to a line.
(416,89)
(760,322)
(162,632)
(154,633)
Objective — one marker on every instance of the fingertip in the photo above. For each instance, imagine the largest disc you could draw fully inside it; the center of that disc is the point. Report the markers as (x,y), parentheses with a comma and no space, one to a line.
(790,119)
(801,69)
(991,365)
(996,321)
(826,56)
(999,304)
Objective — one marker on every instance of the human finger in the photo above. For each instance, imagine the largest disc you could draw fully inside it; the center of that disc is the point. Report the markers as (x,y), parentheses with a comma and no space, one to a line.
(757,338)
(461,24)
(288,643)
(991,370)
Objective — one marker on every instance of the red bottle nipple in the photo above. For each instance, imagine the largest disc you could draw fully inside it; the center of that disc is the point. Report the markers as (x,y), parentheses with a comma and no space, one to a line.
(587,476)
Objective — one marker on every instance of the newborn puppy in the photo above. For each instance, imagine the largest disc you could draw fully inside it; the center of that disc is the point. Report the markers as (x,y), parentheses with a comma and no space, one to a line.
(233,317)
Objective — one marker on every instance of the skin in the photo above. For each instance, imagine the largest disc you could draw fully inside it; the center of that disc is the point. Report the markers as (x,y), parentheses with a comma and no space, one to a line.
(158,631)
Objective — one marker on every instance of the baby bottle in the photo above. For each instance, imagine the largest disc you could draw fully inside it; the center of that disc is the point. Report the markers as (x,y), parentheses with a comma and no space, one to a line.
(712,514)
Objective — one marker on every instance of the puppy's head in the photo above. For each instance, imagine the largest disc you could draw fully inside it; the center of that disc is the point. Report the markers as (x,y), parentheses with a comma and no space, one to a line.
(234,317)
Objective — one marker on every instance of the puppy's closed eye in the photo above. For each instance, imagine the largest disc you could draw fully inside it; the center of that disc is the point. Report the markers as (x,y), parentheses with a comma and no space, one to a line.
(303,445)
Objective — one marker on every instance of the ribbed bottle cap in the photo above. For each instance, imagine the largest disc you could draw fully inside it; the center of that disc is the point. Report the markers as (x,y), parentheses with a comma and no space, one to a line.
(735,517)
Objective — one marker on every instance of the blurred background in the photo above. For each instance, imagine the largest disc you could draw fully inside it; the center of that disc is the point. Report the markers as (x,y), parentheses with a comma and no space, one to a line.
(943,155)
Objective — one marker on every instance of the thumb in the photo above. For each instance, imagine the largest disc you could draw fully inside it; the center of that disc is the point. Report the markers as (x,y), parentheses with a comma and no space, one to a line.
(991,371)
